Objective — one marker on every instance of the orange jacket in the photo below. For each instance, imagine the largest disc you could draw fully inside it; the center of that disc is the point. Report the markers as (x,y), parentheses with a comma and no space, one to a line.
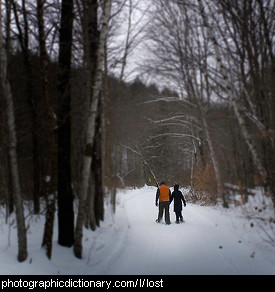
(163,193)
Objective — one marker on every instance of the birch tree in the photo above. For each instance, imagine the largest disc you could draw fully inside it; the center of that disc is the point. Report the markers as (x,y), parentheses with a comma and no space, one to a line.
(91,127)
(233,99)
(88,11)
(222,50)
(21,229)
(249,41)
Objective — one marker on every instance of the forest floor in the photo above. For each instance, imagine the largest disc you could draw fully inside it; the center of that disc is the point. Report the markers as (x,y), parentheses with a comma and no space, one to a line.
(212,240)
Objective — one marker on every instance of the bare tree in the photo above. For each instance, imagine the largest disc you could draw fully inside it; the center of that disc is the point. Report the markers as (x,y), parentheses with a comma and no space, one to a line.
(91,127)
(21,229)
(180,50)
(88,11)
(50,179)
(234,101)
(248,40)
(126,13)
(221,51)
(24,41)
(65,194)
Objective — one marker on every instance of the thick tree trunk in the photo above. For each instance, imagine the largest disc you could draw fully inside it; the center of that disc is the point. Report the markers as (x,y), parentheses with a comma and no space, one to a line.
(23,37)
(95,197)
(91,129)
(21,229)
(65,194)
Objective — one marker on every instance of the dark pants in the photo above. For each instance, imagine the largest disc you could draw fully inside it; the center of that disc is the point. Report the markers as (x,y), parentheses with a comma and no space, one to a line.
(164,206)
(178,215)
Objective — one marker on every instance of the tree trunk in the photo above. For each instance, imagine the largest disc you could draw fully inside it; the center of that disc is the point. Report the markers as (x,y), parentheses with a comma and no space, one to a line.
(51,169)
(23,37)
(95,196)
(7,169)
(21,229)
(213,155)
(65,194)
(214,160)
(91,127)
(90,205)
(97,170)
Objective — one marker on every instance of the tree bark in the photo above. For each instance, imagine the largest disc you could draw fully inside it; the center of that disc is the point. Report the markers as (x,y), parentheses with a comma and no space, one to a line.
(21,229)
(91,129)
(51,169)
(65,194)
(213,155)
(23,37)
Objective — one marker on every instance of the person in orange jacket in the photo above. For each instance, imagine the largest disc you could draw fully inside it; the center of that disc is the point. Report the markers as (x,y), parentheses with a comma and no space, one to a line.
(163,195)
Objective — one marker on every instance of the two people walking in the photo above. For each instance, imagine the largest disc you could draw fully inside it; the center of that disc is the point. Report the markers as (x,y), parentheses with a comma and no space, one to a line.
(165,198)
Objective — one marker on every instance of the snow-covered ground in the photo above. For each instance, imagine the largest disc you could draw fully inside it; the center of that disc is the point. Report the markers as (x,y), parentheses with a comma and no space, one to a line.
(211,241)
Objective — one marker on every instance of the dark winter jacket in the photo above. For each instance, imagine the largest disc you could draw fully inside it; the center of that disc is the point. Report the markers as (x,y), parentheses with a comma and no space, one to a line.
(177,196)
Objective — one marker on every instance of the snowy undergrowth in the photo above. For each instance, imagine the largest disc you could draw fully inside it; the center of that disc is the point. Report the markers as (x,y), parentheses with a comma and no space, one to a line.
(259,213)
(213,240)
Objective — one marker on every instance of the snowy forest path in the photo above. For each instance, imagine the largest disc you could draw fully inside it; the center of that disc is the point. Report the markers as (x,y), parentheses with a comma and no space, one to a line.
(212,241)
(208,243)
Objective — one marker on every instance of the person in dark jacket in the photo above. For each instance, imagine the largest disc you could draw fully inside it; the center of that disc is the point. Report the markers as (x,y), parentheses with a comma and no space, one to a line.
(178,198)
(164,196)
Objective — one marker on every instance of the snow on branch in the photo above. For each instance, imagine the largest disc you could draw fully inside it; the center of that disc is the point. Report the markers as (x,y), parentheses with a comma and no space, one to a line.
(178,122)
(169,99)
(145,161)
(174,135)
